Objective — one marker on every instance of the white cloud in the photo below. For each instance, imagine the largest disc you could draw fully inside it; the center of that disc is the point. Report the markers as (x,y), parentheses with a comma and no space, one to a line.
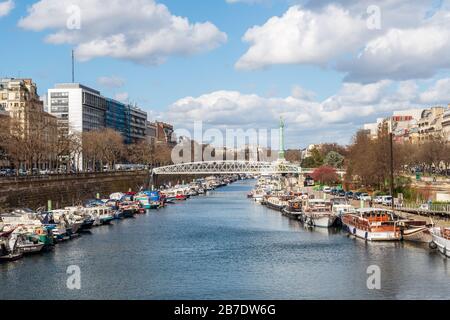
(411,44)
(403,54)
(6,7)
(111,82)
(309,120)
(138,30)
(122,96)
(302,36)
(439,93)
(336,118)
(299,92)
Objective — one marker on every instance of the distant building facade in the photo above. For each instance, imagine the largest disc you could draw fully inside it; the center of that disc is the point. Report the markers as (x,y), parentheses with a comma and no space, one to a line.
(83,109)
(415,125)
(137,124)
(20,102)
(162,133)
(77,107)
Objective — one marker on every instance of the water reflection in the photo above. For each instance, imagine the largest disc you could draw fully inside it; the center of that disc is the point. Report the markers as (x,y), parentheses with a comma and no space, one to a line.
(224,246)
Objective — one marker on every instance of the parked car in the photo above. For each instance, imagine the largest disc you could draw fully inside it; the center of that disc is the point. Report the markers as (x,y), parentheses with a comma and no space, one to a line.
(356,195)
(387,200)
(349,194)
(365,197)
(378,199)
(326,189)
(341,193)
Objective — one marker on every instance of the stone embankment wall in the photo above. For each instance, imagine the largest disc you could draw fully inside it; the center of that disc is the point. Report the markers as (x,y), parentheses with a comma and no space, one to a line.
(66,190)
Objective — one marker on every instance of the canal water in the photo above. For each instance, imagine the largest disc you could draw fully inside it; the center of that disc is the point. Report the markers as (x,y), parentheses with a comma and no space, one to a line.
(224,246)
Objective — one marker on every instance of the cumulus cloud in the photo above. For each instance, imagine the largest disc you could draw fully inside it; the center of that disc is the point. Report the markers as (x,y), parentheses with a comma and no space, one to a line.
(439,93)
(111,82)
(403,54)
(6,7)
(335,118)
(302,36)
(411,43)
(142,31)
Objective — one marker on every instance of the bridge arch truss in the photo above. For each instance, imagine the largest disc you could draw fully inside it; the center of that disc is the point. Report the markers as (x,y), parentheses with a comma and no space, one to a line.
(228,167)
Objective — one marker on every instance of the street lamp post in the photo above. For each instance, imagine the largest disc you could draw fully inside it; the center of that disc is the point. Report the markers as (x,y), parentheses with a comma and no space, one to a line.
(391,142)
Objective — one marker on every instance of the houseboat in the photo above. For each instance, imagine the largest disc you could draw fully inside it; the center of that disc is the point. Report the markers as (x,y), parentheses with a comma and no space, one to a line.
(318,213)
(293,209)
(277,203)
(373,224)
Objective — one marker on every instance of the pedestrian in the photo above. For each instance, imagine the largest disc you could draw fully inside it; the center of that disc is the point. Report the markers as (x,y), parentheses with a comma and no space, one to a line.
(370,203)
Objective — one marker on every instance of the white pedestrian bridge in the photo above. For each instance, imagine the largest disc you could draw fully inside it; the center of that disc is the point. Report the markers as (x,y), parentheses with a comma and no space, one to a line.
(233,167)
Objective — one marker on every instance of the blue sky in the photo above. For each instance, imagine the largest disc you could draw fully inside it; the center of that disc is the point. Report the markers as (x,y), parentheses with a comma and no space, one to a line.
(324,79)
(155,87)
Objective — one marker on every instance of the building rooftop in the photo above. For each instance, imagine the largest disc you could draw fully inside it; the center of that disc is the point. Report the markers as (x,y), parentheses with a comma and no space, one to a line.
(75,86)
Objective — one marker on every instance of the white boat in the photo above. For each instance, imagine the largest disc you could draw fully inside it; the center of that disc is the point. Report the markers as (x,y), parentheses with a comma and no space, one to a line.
(441,238)
(318,213)
(373,224)
(25,246)
(258,195)
(341,209)
(21,217)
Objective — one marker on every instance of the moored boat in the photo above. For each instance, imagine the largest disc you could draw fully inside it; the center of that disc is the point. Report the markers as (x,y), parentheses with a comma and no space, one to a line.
(441,238)
(373,224)
(416,231)
(293,210)
(318,213)
(277,203)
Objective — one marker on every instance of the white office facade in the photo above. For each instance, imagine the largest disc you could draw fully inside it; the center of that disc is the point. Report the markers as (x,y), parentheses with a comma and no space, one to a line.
(78,109)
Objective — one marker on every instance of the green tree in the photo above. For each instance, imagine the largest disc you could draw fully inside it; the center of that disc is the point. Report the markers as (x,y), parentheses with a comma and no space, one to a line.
(334,159)
(317,156)
(308,163)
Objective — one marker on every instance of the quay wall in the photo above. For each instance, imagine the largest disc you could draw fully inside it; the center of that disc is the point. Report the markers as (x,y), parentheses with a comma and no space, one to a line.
(66,190)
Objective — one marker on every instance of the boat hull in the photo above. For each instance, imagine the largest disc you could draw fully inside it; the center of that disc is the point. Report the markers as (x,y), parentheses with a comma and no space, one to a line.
(326,221)
(295,215)
(373,236)
(443,244)
(11,257)
(31,248)
(418,235)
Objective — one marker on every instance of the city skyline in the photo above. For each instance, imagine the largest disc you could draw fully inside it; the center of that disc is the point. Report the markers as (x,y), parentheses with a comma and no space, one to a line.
(320,87)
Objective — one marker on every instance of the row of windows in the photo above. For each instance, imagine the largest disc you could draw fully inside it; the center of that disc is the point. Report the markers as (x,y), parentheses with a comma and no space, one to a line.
(59,109)
(94,101)
(59,95)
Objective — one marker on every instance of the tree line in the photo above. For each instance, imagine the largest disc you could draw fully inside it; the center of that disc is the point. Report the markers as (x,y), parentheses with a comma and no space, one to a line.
(39,146)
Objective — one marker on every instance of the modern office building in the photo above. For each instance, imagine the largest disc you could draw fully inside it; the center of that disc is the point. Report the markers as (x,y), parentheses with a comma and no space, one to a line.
(117,117)
(77,107)
(81,109)
(137,124)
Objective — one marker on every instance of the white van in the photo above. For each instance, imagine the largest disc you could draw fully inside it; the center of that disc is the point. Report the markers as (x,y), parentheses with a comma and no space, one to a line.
(386,200)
